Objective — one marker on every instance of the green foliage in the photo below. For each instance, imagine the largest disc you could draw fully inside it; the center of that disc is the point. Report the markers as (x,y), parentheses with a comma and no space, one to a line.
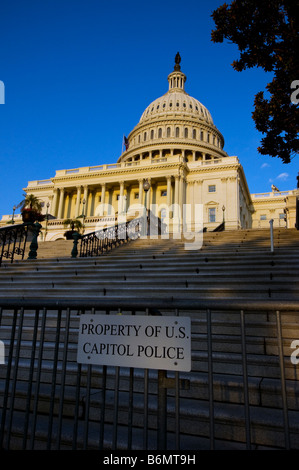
(266,33)
(30,202)
(74,224)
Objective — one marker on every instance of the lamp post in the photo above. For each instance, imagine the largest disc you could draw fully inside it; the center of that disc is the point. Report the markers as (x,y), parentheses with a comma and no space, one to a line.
(13,214)
(47,216)
(223,210)
(146,187)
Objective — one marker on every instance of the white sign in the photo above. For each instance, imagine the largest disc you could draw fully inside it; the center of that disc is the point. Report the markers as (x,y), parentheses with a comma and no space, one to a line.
(150,342)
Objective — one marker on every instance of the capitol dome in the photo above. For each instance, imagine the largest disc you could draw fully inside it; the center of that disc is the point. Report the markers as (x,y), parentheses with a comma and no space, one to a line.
(174,123)
(176,100)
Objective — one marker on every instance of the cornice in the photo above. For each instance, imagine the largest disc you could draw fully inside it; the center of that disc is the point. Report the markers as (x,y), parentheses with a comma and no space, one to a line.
(38,188)
(266,199)
(117,173)
(207,168)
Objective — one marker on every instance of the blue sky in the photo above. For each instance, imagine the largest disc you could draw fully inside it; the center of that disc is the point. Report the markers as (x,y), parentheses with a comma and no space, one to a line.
(79,73)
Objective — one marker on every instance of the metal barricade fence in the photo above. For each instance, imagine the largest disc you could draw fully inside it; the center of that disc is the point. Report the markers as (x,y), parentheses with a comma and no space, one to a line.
(49,401)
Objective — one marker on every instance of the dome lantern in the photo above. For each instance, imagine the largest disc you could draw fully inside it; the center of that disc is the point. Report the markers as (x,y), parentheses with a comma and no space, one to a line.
(177,78)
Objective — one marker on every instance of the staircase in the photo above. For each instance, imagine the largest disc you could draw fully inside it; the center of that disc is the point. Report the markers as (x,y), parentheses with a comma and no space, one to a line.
(230,266)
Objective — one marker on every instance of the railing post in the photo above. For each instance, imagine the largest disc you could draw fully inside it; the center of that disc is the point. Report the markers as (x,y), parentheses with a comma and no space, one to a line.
(76,236)
(34,245)
(271,234)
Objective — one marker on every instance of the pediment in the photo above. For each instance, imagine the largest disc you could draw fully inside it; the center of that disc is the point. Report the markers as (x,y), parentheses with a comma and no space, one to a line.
(212,203)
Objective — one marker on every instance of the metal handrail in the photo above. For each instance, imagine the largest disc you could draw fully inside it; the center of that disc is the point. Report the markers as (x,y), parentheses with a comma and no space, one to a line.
(95,243)
(150,303)
(13,241)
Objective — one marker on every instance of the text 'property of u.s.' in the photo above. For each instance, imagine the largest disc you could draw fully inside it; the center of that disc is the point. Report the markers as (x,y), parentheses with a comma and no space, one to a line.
(150,342)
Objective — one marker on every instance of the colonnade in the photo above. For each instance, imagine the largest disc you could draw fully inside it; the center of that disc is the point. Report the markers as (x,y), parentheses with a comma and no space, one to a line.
(92,200)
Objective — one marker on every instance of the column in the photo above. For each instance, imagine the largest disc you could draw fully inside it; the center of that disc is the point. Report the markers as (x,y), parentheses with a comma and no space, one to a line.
(121,198)
(91,203)
(85,196)
(176,215)
(168,193)
(153,198)
(190,206)
(67,202)
(182,198)
(149,194)
(61,201)
(140,191)
(53,209)
(103,194)
(78,201)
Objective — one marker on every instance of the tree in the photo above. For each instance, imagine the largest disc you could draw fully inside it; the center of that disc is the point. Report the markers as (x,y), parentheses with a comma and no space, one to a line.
(266,33)
(31,202)
(74,224)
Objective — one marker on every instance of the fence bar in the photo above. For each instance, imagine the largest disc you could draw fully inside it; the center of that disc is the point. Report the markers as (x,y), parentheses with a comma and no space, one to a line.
(7,381)
(146,381)
(162,407)
(177,403)
(86,407)
(210,374)
(38,375)
(245,382)
(30,378)
(54,375)
(131,404)
(283,383)
(14,381)
(102,414)
(77,408)
(115,414)
(63,374)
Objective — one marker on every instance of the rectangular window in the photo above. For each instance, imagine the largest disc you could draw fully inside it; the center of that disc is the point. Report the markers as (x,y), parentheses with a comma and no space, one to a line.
(136,196)
(163,193)
(212,188)
(263,217)
(281,216)
(212,214)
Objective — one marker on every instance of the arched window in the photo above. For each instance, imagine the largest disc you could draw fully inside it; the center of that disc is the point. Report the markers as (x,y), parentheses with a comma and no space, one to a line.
(144,136)
(177,132)
(194,134)
(201,135)
(168,132)
(160,133)
(152,134)
(186,133)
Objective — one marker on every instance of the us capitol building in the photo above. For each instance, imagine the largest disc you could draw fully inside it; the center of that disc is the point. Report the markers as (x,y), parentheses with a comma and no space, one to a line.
(173,157)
